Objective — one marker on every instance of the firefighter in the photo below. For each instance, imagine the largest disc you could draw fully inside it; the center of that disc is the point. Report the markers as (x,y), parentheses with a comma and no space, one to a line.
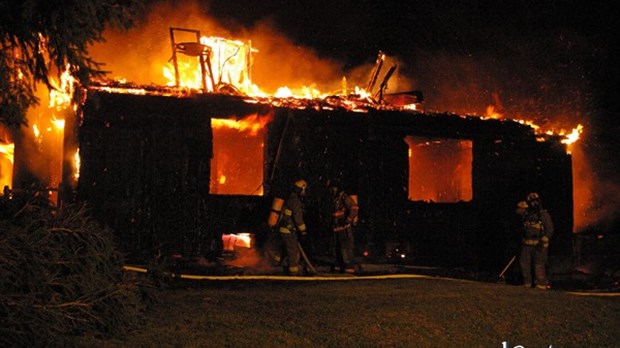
(537,229)
(291,224)
(344,213)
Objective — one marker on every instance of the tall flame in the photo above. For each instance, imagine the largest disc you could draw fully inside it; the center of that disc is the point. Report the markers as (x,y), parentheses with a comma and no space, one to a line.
(76,164)
(45,160)
(6,164)
(62,94)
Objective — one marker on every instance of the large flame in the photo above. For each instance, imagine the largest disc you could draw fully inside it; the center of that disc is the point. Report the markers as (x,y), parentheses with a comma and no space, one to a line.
(229,63)
(237,165)
(44,158)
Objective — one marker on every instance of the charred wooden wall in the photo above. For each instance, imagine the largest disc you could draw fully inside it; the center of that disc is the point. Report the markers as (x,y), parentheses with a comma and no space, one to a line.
(146,162)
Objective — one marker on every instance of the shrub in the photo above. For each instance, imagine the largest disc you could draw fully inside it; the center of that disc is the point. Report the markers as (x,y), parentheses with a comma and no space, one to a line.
(61,276)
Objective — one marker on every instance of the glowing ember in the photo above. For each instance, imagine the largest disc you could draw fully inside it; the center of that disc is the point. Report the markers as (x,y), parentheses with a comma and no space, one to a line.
(304,93)
(109,89)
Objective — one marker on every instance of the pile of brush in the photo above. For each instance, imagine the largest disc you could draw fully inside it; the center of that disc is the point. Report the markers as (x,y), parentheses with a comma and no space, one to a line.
(62,277)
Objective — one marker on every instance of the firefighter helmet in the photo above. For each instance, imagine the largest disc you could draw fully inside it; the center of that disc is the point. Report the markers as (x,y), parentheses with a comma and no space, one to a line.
(533,197)
(301,184)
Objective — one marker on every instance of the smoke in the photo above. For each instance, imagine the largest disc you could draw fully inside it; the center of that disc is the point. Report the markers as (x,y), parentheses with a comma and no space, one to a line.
(468,84)
(251,260)
(597,200)
(550,86)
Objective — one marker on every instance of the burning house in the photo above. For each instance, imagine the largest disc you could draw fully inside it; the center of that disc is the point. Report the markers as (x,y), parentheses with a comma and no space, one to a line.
(164,170)
(173,169)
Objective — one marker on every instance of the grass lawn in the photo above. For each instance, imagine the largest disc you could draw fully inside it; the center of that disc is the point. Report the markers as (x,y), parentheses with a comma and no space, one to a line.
(421,312)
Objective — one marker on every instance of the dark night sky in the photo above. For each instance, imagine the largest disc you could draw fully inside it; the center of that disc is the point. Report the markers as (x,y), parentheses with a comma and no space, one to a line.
(542,59)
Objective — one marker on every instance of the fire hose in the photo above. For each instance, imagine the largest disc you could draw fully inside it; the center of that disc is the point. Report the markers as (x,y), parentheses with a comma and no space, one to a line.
(501,275)
(137,269)
(308,263)
(130,268)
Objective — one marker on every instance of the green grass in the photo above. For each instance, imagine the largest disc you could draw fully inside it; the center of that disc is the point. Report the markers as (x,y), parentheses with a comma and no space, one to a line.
(426,312)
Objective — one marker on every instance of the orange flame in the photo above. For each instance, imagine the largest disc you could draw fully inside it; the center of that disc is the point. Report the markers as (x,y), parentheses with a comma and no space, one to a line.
(6,164)
(76,164)
(229,63)
(569,138)
(233,240)
(573,136)
(7,151)
(61,96)
(237,165)
(492,113)
(252,123)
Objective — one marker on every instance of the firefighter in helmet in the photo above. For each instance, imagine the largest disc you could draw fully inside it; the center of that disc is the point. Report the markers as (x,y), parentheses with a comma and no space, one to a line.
(537,229)
(292,223)
(344,213)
